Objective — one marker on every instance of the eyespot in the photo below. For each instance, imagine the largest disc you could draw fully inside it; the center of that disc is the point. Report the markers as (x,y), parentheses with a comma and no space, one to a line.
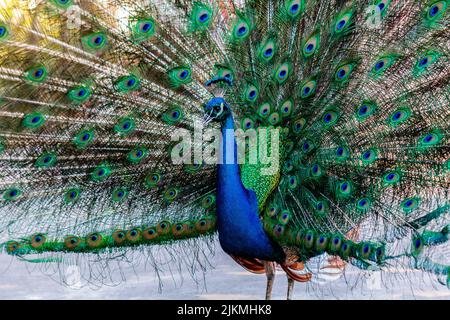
(178,229)
(410,204)
(436,10)
(282,72)
(380,254)
(383,5)
(425,61)
(180,76)
(72,195)
(342,154)
(134,235)
(163,227)
(119,194)
(369,156)
(224,72)
(391,178)
(307,146)
(343,22)
(365,250)
(143,29)
(417,245)
(399,116)
(365,110)
(430,139)
(343,72)
(170,194)
(251,93)
(346,249)
(321,208)
(95,41)
(100,173)
(272,210)
(94,240)
(308,89)
(308,239)
(202,225)
(79,94)
(335,243)
(12,194)
(267,50)
(278,230)
(294,8)
(36,74)
(46,160)
(286,108)
(315,171)
(125,126)
(321,242)
(119,237)
(62,4)
(127,84)
(150,233)
(311,45)
(4,32)
(37,241)
(298,125)
(330,118)
(241,30)
(274,118)
(173,116)
(344,189)
(363,204)
(72,242)
(292,182)
(13,247)
(153,179)
(83,138)
(138,154)
(33,121)
(383,64)
(264,110)
(284,217)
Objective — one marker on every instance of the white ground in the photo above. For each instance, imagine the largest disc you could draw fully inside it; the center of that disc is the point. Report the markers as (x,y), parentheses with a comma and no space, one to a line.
(226,281)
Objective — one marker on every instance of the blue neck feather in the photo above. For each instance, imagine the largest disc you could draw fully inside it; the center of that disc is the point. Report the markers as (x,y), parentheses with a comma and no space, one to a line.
(240,230)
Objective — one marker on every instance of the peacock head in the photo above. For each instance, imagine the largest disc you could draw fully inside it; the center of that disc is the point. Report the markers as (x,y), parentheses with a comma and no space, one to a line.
(217,109)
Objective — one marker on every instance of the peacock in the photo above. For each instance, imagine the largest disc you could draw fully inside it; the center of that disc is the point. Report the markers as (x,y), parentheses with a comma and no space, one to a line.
(289,129)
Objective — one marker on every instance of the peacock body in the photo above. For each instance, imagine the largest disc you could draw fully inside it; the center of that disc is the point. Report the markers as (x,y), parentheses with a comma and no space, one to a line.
(356,92)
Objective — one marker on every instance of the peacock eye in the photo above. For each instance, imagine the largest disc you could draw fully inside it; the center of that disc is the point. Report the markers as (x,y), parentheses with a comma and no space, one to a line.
(343,22)
(308,89)
(125,126)
(36,74)
(62,4)
(282,72)
(344,71)
(3,32)
(127,84)
(294,8)
(436,10)
(95,41)
(46,160)
(180,76)
(241,29)
(100,173)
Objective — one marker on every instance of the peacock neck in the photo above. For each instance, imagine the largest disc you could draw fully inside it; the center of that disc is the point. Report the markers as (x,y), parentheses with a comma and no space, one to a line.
(240,229)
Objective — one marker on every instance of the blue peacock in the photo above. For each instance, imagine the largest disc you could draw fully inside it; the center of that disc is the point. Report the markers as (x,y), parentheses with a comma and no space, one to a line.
(91,93)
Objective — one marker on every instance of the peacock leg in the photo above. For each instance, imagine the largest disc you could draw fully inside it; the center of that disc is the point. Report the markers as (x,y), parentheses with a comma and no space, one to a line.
(270,273)
(290,290)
